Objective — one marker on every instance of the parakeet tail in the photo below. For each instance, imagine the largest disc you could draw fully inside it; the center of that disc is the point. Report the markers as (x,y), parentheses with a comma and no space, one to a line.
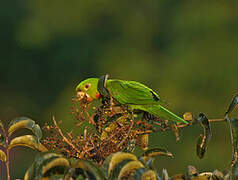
(161,112)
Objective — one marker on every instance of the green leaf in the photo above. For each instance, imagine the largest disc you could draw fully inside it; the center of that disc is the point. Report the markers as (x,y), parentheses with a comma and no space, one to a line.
(144,174)
(1,125)
(2,141)
(139,172)
(116,170)
(148,156)
(27,141)
(56,166)
(118,158)
(234,141)
(130,167)
(29,175)
(232,105)
(157,152)
(24,122)
(3,156)
(143,141)
(2,138)
(89,170)
(178,177)
(47,165)
(204,138)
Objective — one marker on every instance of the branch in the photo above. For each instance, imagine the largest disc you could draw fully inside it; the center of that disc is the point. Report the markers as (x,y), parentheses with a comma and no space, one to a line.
(62,135)
(128,132)
(170,128)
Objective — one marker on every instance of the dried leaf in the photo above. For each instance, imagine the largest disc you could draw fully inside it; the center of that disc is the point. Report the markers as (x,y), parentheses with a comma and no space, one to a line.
(165,175)
(204,139)
(175,129)
(188,116)
(228,176)
(111,127)
(28,141)
(143,141)
(232,105)
(24,122)
(3,156)
(217,175)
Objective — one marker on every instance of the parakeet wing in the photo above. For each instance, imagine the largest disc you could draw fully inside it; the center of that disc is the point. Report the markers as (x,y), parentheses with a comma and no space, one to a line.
(139,96)
(132,92)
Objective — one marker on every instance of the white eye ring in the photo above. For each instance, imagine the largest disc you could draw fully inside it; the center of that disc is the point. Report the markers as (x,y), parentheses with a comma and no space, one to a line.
(87,86)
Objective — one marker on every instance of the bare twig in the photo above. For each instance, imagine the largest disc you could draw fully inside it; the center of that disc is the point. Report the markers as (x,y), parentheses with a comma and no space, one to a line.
(170,128)
(216,120)
(7,154)
(128,132)
(91,121)
(62,135)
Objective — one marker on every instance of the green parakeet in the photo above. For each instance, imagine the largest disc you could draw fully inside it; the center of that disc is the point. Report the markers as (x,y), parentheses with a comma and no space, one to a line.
(131,93)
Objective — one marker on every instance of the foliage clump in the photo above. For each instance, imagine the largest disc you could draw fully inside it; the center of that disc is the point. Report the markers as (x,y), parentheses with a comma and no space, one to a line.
(106,152)
(8,140)
(113,132)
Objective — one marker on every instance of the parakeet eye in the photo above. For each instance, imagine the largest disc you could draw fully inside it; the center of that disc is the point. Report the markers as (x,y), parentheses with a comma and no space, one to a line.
(87,86)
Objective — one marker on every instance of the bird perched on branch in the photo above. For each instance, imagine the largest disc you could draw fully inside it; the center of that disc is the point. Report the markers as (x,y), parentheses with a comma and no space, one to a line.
(130,93)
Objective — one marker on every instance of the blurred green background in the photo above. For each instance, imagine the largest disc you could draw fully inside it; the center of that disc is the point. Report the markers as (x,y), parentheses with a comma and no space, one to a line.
(186,50)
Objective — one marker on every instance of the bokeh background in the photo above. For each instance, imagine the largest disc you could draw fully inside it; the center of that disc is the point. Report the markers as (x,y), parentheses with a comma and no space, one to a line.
(185,50)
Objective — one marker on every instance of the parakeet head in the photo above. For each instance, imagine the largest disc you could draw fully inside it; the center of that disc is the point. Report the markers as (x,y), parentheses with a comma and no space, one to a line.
(88,88)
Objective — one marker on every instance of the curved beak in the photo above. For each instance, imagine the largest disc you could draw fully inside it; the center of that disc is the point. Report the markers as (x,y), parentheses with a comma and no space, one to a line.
(81,95)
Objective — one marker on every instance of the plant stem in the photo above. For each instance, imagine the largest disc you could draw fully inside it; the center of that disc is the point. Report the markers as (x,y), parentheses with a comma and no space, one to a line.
(7,154)
(8,164)
(216,120)
(168,128)
(62,135)
(131,125)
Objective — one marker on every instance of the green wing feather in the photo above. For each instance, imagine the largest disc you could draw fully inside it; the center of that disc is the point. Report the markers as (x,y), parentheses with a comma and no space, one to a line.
(139,96)
(159,111)
(131,92)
